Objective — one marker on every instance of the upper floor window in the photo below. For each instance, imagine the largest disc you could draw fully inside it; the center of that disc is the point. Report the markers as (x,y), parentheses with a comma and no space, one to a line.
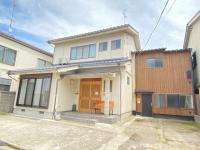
(103,46)
(116,44)
(43,63)
(7,55)
(83,52)
(154,62)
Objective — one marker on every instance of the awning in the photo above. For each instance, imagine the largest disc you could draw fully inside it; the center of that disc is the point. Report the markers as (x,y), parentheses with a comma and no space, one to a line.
(51,69)
(88,75)
(62,68)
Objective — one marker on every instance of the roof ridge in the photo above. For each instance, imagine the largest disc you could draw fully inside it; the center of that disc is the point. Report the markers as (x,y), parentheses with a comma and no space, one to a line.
(25,44)
(94,32)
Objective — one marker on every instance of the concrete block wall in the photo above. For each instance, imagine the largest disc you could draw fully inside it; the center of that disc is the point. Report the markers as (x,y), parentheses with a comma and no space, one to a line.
(7,101)
(197,118)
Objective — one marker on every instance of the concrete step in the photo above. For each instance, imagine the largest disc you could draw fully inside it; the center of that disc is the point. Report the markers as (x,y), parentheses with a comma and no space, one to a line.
(89,118)
(79,119)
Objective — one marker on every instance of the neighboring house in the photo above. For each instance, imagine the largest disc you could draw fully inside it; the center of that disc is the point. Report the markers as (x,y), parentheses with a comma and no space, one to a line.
(164,83)
(87,69)
(16,54)
(192,40)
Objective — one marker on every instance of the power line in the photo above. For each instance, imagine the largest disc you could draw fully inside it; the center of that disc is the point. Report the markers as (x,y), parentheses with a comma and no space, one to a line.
(170,8)
(157,23)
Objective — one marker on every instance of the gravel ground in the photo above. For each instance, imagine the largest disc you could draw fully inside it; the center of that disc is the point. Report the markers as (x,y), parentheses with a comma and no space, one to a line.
(149,133)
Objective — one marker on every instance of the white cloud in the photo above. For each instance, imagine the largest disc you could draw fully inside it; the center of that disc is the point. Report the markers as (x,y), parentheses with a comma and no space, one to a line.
(53,19)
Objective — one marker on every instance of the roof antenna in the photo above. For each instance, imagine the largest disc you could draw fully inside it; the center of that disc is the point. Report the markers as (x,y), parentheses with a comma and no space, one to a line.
(124,15)
(10,29)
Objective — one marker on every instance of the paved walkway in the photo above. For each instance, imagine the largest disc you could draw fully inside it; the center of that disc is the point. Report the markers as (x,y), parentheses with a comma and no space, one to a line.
(137,133)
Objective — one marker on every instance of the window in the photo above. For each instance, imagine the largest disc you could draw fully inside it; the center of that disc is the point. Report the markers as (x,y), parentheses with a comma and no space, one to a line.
(37,92)
(116,44)
(22,92)
(7,55)
(173,101)
(83,52)
(92,51)
(4,87)
(45,92)
(1,53)
(73,53)
(43,63)
(34,92)
(186,102)
(154,63)
(103,46)
(111,85)
(86,50)
(159,101)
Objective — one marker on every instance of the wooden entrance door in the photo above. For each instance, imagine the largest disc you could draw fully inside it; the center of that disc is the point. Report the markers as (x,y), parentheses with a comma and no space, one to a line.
(90,92)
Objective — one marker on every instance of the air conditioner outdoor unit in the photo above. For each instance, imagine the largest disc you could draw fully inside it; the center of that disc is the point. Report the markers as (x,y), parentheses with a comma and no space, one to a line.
(62,61)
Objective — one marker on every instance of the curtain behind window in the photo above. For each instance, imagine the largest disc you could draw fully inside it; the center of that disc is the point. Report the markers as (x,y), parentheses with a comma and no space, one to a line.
(45,92)
(29,93)
(22,91)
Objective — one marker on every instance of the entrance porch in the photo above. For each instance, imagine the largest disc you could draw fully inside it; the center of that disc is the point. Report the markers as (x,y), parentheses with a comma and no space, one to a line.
(79,95)
(90,118)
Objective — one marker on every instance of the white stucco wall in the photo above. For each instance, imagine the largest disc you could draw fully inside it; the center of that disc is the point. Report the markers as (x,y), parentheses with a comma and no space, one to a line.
(25,58)
(62,51)
(127,97)
(194,43)
(67,94)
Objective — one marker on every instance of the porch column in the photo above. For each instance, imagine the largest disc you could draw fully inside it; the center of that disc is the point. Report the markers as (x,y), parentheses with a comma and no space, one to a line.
(107,96)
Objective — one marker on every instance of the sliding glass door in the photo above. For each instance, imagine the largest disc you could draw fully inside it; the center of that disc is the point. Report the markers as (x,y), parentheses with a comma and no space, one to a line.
(34,91)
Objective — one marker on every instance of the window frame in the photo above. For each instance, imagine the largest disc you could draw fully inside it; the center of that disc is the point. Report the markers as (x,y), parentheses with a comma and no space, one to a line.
(35,81)
(103,50)
(179,101)
(45,63)
(74,48)
(154,62)
(3,56)
(116,48)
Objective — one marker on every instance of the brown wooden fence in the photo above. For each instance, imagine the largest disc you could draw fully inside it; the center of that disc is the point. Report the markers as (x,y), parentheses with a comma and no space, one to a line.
(198,104)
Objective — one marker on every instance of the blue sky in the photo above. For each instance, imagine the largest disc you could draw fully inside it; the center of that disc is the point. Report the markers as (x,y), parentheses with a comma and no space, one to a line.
(37,21)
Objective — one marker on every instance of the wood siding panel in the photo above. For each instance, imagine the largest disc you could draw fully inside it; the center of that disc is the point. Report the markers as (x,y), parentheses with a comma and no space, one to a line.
(171,78)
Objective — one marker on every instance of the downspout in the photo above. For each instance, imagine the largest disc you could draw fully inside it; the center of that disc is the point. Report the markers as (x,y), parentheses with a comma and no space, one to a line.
(120,94)
(55,100)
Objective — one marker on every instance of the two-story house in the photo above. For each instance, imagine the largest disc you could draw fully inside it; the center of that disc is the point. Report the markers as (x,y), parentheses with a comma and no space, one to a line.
(164,82)
(16,54)
(89,70)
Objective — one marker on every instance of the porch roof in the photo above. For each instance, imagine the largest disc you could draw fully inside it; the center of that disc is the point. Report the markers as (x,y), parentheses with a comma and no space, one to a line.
(71,66)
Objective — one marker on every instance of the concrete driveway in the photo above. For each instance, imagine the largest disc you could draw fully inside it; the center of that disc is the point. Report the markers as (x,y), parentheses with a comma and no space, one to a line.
(137,133)
(42,134)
